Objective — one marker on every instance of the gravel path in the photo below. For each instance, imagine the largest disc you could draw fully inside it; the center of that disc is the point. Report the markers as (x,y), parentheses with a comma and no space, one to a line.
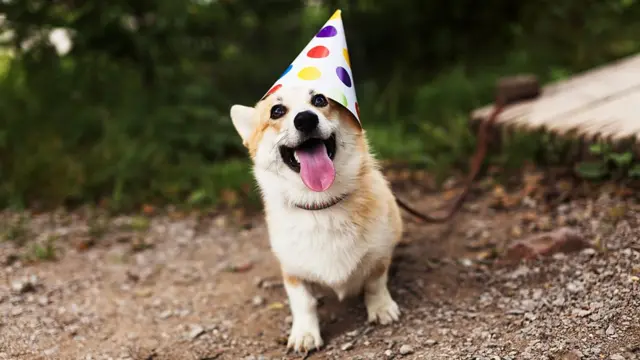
(207,288)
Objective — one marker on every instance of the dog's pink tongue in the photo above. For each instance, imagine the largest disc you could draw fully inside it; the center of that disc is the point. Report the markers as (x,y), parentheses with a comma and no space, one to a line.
(316,169)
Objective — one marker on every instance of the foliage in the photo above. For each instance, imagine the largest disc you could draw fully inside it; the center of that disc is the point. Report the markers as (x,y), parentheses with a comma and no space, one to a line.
(609,163)
(137,110)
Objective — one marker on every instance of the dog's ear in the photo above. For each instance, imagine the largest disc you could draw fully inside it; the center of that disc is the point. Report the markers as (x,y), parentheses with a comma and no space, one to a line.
(242,118)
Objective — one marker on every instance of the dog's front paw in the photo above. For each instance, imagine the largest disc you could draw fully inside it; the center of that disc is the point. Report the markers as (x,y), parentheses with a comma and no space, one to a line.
(382,309)
(305,336)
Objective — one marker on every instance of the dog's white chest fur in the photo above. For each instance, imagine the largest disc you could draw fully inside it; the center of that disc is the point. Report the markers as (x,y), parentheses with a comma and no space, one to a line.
(327,246)
(320,245)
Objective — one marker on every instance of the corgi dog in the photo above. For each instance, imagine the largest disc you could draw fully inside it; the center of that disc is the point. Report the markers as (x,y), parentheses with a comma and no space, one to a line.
(332,218)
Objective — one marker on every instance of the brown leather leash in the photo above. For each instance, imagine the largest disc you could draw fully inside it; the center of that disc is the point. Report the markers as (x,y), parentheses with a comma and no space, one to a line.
(508,91)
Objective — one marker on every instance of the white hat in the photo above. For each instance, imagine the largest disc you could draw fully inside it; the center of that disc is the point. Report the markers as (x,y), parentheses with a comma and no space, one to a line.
(324,66)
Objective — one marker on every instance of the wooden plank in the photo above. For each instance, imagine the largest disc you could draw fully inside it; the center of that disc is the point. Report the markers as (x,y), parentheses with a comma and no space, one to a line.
(601,102)
(618,118)
(571,94)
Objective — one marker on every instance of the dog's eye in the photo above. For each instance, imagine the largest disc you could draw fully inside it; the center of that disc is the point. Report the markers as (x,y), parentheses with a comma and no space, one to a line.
(278,111)
(319,100)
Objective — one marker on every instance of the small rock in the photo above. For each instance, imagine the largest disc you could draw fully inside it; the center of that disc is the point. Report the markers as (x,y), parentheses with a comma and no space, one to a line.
(196,330)
(43,301)
(257,300)
(24,285)
(559,301)
(406,350)
(466,262)
(388,353)
(610,330)
(582,312)
(165,314)
(561,240)
(529,305)
(430,342)
(17,311)
(617,357)
(574,287)
(346,346)
(50,351)
(572,355)
(353,333)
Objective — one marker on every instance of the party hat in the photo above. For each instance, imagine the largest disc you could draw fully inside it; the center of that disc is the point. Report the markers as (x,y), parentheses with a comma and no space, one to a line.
(324,66)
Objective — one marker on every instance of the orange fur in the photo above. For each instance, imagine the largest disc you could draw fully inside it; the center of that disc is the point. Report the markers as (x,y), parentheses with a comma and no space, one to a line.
(337,111)
(292,280)
(379,269)
(264,124)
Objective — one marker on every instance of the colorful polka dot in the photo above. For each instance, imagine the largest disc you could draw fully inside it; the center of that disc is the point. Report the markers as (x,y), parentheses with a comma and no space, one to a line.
(343,75)
(345,53)
(327,31)
(287,71)
(318,52)
(309,73)
(274,89)
(358,109)
(342,99)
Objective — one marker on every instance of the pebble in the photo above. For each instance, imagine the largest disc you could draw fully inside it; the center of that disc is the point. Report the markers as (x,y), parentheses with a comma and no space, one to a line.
(257,300)
(406,350)
(574,287)
(17,311)
(50,351)
(388,353)
(573,355)
(24,285)
(558,301)
(610,330)
(346,346)
(196,330)
(430,342)
(43,301)
(617,357)
(353,333)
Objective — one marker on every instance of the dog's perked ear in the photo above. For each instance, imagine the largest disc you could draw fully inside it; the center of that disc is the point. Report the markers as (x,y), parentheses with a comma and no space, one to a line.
(242,118)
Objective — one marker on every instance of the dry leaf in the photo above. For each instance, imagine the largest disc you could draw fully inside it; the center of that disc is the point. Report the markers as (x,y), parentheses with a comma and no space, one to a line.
(240,268)
(148,209)
(230,197)
(275,306)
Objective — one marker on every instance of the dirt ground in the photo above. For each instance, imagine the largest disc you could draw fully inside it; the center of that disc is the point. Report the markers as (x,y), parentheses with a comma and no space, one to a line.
(207,287)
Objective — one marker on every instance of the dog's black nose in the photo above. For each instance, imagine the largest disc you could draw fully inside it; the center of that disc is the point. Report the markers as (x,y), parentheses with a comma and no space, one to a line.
(306,122)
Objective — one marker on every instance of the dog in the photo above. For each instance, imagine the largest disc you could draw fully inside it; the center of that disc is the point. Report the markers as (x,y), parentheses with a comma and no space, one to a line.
(332,218)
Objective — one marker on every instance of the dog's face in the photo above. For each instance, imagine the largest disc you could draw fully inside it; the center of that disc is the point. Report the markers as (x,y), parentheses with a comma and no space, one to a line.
(302,141)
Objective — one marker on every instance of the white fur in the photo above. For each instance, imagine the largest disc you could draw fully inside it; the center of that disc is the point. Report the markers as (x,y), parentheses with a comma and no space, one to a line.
(324,246)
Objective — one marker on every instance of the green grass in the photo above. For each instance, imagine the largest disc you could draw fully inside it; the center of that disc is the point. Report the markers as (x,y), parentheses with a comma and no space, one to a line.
(5,59)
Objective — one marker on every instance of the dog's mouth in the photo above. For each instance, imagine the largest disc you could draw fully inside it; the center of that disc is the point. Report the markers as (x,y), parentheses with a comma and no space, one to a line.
(313,159)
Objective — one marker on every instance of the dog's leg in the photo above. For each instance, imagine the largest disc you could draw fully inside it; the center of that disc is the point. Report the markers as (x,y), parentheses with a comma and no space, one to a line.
(380,305)
(305,331)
